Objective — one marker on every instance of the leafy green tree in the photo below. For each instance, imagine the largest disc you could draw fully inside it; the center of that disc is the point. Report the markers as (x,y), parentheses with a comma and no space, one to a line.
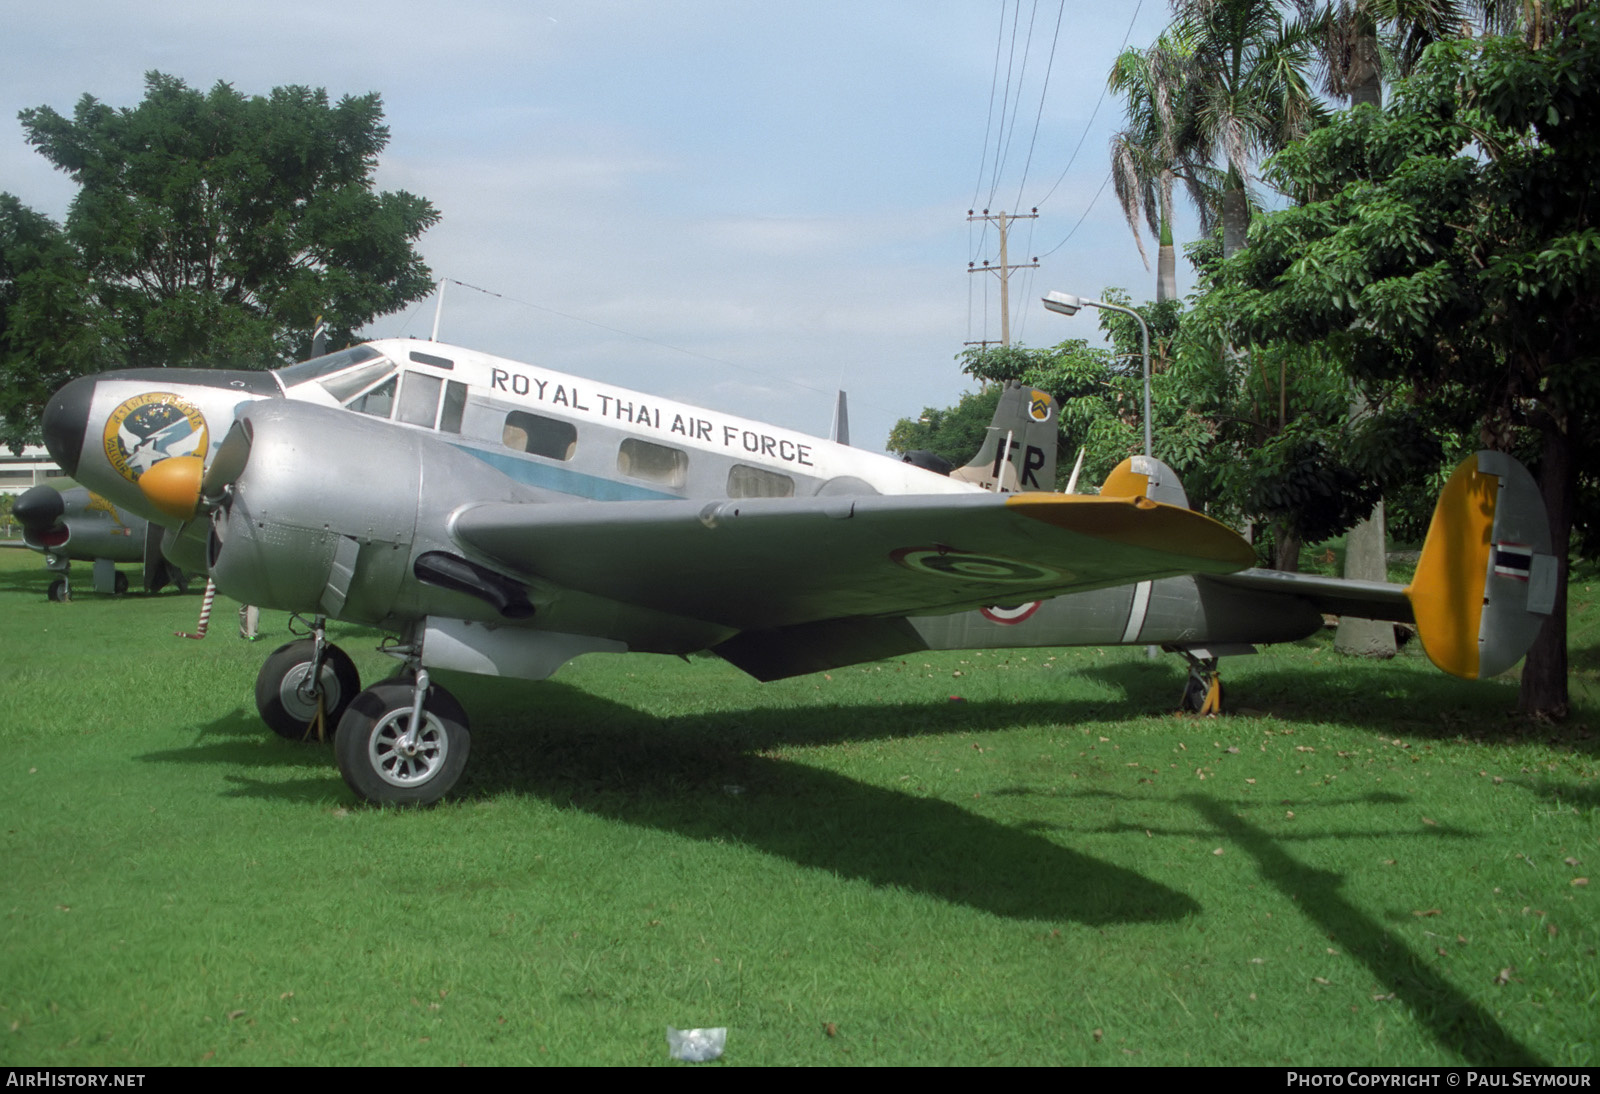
(953,433)
(214,227)
(1451,244)
(49,330)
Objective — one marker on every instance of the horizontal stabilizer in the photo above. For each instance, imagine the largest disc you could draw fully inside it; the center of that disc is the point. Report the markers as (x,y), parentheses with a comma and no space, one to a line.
(1487,576)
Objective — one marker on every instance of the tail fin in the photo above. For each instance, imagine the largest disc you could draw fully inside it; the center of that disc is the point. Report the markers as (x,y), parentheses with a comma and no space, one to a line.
(1487,576)
(1145,477)
(1019,451)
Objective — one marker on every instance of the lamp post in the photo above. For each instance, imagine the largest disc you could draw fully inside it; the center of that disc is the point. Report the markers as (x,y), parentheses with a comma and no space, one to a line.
(1067,304)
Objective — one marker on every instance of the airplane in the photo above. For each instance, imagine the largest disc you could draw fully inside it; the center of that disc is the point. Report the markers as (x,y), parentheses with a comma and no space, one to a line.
(77,524)
(501,518)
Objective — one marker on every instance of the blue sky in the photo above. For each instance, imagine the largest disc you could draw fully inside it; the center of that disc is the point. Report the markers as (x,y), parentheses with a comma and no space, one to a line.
(740,205)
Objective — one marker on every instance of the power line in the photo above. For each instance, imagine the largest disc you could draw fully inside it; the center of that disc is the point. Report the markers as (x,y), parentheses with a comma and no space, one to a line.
(1043,91)
(1092,114)
(1081,219)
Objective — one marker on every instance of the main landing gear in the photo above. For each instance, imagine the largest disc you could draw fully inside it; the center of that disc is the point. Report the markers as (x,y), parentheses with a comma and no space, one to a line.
(1202,692)
(403,741)
(306,686)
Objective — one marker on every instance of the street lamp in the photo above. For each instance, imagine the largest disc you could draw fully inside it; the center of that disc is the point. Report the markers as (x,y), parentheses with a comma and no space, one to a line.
(1067,304)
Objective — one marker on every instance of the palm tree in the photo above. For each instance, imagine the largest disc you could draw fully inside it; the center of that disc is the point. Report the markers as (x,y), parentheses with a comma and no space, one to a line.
(1364,41)
(1247,67)
(1156,149)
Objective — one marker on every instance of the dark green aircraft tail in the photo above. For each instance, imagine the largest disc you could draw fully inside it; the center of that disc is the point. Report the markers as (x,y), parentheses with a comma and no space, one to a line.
(1019,450)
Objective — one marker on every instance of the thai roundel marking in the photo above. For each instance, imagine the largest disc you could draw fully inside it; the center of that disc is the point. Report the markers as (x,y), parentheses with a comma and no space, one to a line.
(1010,617)
(966,566)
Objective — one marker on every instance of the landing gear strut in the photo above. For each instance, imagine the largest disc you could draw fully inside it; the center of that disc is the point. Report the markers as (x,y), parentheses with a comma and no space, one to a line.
(303,681)
(1202,692)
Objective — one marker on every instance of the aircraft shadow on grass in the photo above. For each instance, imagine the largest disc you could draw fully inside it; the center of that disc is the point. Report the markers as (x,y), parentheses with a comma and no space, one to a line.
(706,778)
(722,775)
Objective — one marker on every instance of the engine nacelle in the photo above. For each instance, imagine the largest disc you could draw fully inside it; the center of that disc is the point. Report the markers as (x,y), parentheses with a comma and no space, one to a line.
(325,512)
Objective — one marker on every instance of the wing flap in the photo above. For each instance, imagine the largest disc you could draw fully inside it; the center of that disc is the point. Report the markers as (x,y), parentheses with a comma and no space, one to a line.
(774,562)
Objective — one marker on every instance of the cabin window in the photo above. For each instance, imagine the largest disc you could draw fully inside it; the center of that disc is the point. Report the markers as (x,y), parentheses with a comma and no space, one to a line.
(455,404)
(757,482)
(419,399)
(377,402)
(548,437)
(653,462)
(430,359)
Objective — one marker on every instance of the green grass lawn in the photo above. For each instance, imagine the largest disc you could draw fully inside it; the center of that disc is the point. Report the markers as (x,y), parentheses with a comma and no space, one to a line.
(1012,858)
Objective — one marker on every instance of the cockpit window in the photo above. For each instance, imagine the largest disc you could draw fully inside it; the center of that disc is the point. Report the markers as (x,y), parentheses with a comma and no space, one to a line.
(347,385)
(326,364)
(377,402)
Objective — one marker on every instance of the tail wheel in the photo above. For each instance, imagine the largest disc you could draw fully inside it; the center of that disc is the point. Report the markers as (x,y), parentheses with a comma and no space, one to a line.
(285,695)
(1203,694)
(384,763)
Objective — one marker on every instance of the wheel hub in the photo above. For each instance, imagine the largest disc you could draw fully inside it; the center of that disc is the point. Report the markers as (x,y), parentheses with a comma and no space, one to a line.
(402,762)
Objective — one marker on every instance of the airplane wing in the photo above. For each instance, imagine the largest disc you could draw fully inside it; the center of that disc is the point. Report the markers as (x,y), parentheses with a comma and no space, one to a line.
(774,562)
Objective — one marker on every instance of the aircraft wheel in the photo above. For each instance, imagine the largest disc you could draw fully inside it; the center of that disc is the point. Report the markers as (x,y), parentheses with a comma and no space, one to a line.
(1195,693)
(59,591)
(120,585)
(376,762)
(283,698)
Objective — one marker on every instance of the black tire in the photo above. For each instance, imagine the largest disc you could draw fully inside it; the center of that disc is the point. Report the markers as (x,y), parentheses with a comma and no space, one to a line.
(1194,695)
(60,592)
(280,693)
(119,584)
(379,772)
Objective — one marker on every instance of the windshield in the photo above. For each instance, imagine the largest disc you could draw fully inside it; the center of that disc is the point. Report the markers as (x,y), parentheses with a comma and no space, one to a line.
(328,363)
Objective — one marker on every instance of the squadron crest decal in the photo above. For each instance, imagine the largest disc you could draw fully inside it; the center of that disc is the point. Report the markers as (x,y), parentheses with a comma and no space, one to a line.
(1039,406)
(152,427)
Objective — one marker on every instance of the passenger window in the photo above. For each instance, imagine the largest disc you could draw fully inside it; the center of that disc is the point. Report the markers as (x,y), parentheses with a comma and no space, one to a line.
(548,437)
(755,482)
(419,399)
(455,403)
(377,402)
(653,462)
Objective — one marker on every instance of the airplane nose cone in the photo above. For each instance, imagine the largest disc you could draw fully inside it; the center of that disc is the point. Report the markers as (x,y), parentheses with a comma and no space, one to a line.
(66,417)
(38,509)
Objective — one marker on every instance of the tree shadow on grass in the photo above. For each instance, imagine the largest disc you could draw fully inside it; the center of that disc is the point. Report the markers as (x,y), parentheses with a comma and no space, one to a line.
(1451,1017)
(1386,698)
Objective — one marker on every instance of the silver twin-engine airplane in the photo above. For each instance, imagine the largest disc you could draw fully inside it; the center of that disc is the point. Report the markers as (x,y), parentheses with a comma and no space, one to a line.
(500,518)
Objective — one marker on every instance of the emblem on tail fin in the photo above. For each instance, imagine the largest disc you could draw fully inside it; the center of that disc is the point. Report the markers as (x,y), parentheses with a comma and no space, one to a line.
(1019,450)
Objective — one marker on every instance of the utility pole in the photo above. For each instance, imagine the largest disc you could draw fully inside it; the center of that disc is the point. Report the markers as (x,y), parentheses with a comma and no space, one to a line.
(1004,269)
